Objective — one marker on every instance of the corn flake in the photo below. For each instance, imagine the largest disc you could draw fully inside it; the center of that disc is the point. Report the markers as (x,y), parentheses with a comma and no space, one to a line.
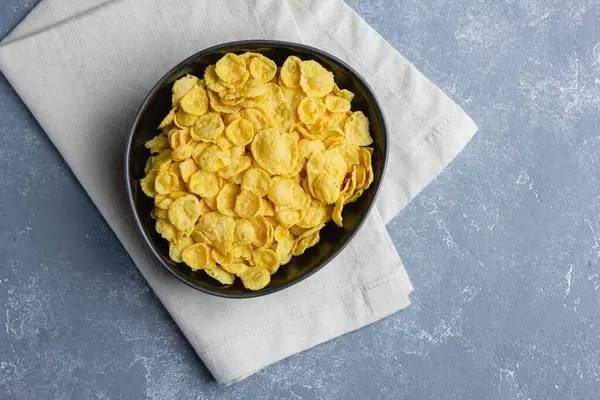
(182,86)
(226,199)
(236,268)
(240,132)
(255,278)
(337,104)
(357,129)
(315,80)
(262,68)
(196,256)
(213,159)
(157,144)
(184,212)
(276,153)
(208,127)
(244,233)
(220,274)
(231,68)
(266,259)
(183,119)
(204,183)
(290,72)
(247,204)
(176,248)
(195,102)
(310,109)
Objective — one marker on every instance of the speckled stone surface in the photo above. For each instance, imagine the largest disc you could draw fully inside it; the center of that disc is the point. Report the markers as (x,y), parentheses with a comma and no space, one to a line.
(503,248)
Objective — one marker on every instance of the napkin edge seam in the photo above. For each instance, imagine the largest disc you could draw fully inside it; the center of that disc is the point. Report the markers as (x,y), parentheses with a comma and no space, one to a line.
(372,306)
(362,290)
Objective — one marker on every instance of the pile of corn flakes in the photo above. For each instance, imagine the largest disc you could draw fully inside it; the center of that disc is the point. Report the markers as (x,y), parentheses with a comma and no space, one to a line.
(253,160)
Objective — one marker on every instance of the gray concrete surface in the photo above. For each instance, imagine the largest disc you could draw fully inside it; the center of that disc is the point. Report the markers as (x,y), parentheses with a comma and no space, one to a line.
(503,248)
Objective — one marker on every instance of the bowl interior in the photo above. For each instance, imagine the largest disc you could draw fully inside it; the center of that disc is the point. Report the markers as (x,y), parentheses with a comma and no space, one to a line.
(333,238)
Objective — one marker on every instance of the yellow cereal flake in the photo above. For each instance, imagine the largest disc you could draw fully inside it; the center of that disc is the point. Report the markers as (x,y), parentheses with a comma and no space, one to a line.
(310,109)
(266,259)
(182,153)
(184,212)
(251,162)
(247,204)
(365,160)
(211,202)
(337,104)
(162,201)
(221,258)
(240,132)
(183,119)
(226,199)
(281,191)
(236,268)
(263,232)
(280,233)
(334,125)
(204,183)
(237,166)
(308,148)
(218,228)
(315,80)
(178,137)
(182,86)
(326,188)
(199,147)
(290,72)
(200,237)
(357,129)
(147,184)
(289,216)
(343,93)
(231,68)
(306,240)
(252,88)
(262,68)
(176,248)
(267,209)
(157,144)
(284,248)
(168,120)
(217,104)
(315,215)
(165,228)
(187,168)
(337,211)
(195,102)
(223,142)
(220,274)
(256,117)
(167,182)
(255,278)
(208,127)
(196,256)
(213,159)
(244,233)
(238,151)
(275,152)
(212,80)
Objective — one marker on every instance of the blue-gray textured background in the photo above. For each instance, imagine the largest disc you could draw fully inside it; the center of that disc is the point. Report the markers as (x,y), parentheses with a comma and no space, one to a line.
(503,248)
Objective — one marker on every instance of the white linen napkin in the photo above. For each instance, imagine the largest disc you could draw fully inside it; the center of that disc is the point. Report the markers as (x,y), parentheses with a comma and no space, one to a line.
(83,68)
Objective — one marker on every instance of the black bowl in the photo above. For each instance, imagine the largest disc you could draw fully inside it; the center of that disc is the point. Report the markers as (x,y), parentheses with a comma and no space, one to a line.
(333,239)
